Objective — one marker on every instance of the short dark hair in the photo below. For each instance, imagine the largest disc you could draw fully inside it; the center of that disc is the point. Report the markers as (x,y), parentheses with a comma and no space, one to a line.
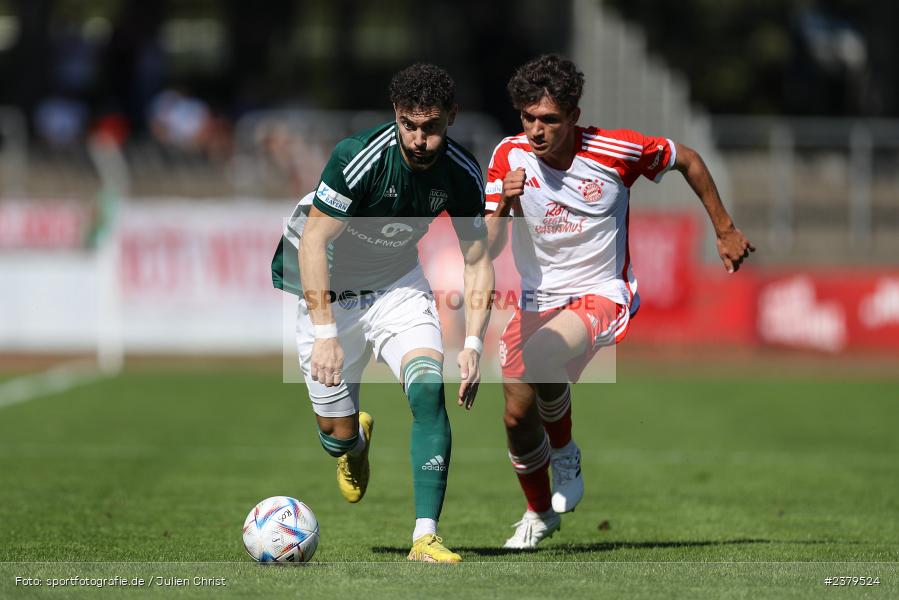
(423,85)
(548,75)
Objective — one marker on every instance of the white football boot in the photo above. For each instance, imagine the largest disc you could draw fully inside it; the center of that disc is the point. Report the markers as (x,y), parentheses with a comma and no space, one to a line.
(568,485)
(532,529)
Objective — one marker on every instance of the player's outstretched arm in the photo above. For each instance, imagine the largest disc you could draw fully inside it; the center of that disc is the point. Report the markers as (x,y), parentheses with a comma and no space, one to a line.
(733,247)
(327,355)
(479,280)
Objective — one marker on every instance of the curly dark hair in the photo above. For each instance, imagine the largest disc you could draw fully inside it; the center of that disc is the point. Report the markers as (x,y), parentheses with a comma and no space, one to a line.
(548,75)
(423,85)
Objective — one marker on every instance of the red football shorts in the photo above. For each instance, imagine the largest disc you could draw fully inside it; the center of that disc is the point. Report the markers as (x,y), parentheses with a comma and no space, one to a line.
(606,324)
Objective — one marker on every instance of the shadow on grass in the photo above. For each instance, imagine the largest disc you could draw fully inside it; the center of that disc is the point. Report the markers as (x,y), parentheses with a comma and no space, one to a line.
(591,547)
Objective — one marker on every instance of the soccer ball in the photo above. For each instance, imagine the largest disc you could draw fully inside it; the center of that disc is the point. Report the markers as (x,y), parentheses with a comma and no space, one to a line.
(281,529)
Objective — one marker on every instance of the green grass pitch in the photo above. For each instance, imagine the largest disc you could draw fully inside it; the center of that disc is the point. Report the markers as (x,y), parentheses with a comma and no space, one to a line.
(697,486)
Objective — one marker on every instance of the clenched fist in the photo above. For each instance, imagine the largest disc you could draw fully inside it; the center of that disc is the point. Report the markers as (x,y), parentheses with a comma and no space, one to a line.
(513,188)
(513,184)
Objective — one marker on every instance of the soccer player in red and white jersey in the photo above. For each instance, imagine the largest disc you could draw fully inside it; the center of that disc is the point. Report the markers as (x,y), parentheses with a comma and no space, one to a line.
(569,186)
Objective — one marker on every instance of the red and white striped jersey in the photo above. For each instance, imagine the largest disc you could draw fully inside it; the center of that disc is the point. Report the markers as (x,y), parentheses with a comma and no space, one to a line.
(570,237)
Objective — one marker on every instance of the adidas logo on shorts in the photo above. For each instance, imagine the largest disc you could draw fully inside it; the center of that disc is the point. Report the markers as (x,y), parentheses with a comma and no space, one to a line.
(435,464)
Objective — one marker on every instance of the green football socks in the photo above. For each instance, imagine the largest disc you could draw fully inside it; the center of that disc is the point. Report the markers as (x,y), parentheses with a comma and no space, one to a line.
(336,446)
(431,437)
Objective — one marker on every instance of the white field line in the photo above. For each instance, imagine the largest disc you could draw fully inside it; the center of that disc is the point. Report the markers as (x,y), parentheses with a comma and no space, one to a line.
(52,381)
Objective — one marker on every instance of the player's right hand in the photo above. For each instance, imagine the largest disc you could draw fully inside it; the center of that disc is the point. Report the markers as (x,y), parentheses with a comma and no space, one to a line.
(327,361)
(513,184)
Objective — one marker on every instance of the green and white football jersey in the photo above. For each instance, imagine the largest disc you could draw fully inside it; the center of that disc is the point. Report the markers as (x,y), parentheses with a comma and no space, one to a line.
(388,208)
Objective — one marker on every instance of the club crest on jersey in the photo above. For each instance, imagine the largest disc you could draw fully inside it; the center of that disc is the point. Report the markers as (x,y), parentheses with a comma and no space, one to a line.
(591,190)
(437,199)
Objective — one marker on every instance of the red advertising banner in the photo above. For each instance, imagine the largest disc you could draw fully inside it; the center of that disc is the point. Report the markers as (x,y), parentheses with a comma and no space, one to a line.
(664,252)
(682,300)
(833,310)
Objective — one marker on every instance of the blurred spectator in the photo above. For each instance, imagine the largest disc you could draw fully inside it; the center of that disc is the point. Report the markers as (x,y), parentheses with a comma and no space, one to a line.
(111,128)
(178,120)
(60,121)
(186,123)
(296,160)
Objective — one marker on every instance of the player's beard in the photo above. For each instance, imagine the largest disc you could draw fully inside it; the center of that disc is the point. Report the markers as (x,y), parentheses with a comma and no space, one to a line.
(421,160)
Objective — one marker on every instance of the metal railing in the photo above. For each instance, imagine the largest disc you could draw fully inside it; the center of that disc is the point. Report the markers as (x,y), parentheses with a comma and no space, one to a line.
(795,177)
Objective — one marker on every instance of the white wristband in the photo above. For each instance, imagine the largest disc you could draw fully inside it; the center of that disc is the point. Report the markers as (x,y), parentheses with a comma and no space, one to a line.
(323,332)
(474,342)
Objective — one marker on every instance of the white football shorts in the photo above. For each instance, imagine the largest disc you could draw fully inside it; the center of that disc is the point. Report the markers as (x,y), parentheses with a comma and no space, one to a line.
(395,321)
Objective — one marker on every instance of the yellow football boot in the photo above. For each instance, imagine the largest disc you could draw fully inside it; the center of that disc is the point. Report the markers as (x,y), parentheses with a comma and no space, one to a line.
(429,548)
(353,471)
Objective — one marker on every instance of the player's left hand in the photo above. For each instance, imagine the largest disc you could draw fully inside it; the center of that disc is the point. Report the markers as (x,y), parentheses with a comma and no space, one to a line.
(733,248)
(470,371)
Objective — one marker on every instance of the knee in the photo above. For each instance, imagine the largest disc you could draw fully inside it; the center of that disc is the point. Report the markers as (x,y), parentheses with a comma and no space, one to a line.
(517,417)
(511,420)
(338,427)
(426,400)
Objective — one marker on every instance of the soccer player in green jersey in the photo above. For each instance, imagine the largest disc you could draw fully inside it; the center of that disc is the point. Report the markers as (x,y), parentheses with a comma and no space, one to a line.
(354,240)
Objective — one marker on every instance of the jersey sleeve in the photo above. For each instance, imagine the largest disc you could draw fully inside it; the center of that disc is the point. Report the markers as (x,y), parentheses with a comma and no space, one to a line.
(467,206)
(631,153)
(658,157)
(645,155)
(333,196)
(496,172)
